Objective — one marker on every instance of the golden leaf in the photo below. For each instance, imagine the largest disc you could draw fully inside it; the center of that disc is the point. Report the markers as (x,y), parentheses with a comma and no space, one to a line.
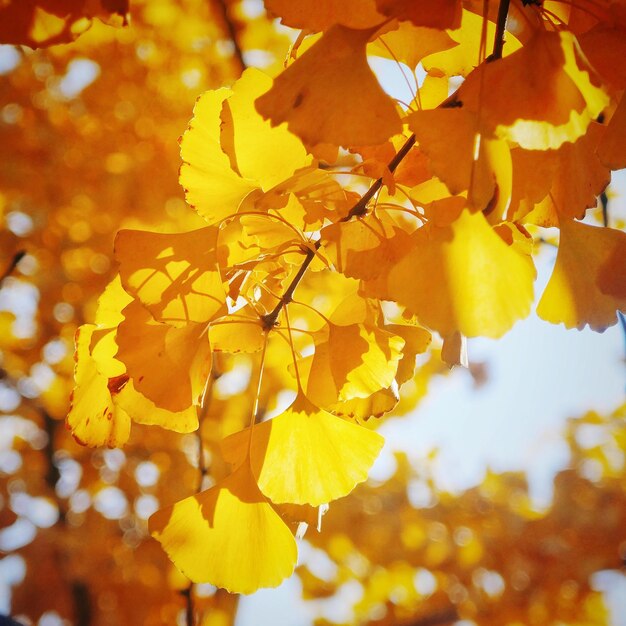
(228,536)
(588,283)
(306,455)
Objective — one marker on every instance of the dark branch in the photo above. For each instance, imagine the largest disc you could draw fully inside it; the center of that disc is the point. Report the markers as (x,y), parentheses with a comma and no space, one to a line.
(358,210)
(82,603)
(17,257)
(231,31)
(604,203)
(498,42)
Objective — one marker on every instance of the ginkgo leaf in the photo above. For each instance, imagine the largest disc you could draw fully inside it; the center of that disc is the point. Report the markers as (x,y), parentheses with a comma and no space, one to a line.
(534,172)
(267,230)
(259,152)
(604,46)
(94,419)
(546,93)
(462,158)
(409,44)
(376,405)
(588,282)
(441,15)
(416,341)
(464,277)
(143,411)
(363,248)
(305,455)
(111,303)
(351,361)
(211,186)
(175,276)
(229,536)
(320,15)
(237,333)
(461,59)
(169,365)
(579,178)
(330,95)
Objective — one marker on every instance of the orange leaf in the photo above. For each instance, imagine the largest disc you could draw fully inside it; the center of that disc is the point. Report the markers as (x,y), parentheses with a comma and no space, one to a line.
(330,95)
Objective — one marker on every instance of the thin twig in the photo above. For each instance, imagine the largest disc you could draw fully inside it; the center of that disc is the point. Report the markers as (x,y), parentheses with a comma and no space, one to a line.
(358,210)
(498,42)
(203,471)
(232,33)
(17,257)
(604,203)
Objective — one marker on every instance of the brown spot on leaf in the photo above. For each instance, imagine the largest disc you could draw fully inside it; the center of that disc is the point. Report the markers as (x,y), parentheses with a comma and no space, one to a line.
(117,383)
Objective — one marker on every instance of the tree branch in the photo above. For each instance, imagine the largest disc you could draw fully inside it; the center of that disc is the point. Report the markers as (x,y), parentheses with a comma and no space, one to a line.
(203,470)
(358,210)
(17,257)
(604,203)
(231,31)
(498,42)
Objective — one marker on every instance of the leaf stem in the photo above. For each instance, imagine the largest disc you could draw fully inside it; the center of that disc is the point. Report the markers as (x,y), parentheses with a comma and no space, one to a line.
(203,471)
(231,31)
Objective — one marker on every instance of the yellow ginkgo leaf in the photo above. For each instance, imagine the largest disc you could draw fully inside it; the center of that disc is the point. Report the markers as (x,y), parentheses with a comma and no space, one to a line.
(465,277)
(169,365)
(579,178)
(306,455)
(588,283)
(376,405)
(229,536)
(351,361)
(237,333)
(546,94)
(409,44)
(259,152)
(363,248)
(175,276)
(94,419)
(380,402)
(143,411)
(462,158)
(330,95)
(460,59)
(416,341)
(211,186)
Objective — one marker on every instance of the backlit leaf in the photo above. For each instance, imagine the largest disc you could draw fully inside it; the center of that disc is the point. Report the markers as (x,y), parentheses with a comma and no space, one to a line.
(228,536)
(330,95)
(306,455)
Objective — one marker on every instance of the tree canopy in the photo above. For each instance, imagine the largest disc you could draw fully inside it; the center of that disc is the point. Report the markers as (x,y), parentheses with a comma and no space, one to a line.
(221,325)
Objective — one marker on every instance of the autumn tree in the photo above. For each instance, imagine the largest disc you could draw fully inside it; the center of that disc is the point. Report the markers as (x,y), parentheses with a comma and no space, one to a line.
(268,313)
